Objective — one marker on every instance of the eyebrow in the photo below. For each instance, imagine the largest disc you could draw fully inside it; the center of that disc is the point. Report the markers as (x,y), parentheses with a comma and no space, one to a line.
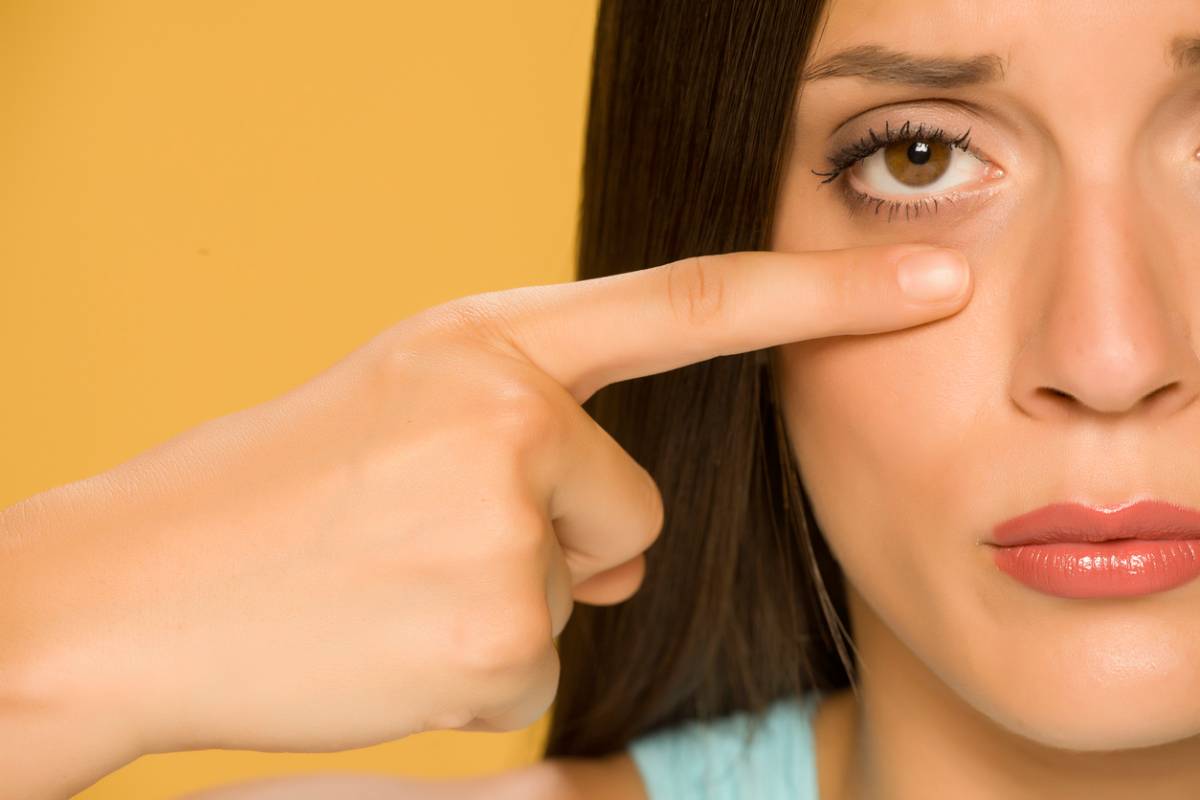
(876,63)
(882,65)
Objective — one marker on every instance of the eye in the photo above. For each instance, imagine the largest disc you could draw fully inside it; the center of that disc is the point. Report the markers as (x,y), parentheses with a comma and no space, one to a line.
(917,166)
(928,165)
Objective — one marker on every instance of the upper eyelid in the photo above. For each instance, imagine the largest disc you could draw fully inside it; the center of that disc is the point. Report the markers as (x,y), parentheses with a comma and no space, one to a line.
(932,110)
(952,135)
(945,111)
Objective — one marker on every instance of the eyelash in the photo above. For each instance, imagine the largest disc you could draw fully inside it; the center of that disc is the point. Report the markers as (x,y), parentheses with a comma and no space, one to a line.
(851,154)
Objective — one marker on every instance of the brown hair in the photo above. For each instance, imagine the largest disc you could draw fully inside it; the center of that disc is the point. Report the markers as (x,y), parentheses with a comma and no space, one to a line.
(689,127)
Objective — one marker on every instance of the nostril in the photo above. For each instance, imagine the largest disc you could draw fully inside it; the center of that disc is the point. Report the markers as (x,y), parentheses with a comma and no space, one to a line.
(1164,389)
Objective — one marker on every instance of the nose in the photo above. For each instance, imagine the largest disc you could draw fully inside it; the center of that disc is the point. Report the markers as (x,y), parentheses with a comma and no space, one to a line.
(1108,311)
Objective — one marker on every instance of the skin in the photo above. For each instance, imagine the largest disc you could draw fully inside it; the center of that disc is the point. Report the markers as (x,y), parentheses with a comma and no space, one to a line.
(914,443)
(1082,286)
(972,685)
(204,593)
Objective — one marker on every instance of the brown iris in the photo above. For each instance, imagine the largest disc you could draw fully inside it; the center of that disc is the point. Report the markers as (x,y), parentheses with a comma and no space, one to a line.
(917,162)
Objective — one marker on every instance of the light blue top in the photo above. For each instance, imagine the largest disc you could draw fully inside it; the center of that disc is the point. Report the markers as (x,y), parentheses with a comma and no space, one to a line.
(712,761)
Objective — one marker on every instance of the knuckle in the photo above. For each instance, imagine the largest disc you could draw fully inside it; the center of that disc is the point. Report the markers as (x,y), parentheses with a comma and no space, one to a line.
(521,537)
(416,350)
(474,313)
(527,699)
(695,290)
(488,319)
(471,323)
(509,640)
(522,414)
(545,687)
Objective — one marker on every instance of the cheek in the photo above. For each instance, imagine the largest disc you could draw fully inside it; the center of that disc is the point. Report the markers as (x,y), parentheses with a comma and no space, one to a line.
(876,420)
(890,450)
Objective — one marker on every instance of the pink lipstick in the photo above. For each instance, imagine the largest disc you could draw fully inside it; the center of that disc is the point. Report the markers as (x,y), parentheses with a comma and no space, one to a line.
(1079,551)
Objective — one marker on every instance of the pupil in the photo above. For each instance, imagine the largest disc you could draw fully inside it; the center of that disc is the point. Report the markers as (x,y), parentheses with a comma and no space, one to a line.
(918,152)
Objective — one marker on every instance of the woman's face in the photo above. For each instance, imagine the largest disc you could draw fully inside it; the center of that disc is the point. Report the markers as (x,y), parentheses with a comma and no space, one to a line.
(1084,236)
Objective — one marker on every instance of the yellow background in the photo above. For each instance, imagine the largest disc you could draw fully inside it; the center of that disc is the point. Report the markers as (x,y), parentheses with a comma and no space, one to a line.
(205,202)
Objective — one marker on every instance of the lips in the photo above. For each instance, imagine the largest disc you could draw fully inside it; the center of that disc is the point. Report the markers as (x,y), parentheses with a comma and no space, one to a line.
(1076,551)
(1074,522)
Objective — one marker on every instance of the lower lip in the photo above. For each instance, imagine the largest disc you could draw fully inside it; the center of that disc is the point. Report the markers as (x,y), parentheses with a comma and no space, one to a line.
(1116,568)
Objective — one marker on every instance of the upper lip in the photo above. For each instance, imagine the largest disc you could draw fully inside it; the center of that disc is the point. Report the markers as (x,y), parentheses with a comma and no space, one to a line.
(1076,522)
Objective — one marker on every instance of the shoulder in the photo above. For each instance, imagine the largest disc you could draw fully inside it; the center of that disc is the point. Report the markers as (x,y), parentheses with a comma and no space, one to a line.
(611,778)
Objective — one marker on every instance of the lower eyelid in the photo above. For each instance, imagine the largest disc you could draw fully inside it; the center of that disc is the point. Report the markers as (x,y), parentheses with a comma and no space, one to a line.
(917,209)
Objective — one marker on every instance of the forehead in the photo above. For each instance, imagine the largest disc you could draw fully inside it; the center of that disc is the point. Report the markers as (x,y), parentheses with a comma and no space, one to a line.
(1062,63)
(1045,40)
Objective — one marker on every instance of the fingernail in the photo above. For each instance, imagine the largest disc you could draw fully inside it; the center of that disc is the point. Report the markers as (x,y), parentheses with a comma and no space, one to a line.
(932,275)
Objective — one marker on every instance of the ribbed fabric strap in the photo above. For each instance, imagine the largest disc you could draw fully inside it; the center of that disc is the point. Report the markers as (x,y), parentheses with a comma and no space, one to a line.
(713,760)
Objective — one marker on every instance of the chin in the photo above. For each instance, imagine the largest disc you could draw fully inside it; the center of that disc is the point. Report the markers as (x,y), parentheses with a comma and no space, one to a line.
(1114,686)
(1099,725)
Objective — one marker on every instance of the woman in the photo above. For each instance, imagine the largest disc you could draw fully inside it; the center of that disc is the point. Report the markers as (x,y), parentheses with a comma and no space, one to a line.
(827,560)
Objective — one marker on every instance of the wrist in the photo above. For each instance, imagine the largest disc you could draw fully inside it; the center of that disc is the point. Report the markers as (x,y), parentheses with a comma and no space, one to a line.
(64,721)
(49,749)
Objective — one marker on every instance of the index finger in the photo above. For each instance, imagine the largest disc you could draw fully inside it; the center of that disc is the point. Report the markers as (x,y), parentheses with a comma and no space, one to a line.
(590,333)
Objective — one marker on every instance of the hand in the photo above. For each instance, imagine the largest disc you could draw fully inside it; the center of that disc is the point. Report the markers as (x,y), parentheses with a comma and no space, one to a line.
(392,546)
